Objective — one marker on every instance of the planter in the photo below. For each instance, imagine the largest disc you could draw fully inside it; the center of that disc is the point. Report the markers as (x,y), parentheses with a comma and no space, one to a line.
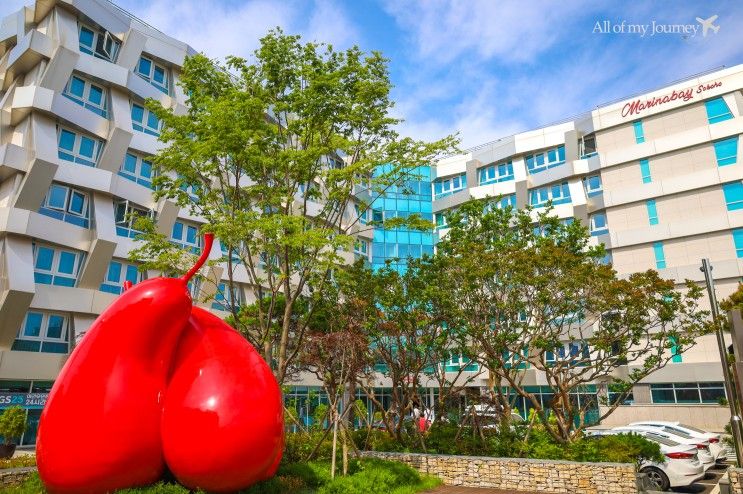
(7,450)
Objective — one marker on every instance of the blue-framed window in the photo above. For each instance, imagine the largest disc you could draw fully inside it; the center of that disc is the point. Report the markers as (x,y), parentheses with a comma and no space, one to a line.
(55,266)
(505,201)
(100,44)
(726,151)
(660,256)
(675,355)
(645,171)
(652,211)
(500,172)
(557,193)
(119,272)
(225,299)
(592,185)
(539,162)
(361,215)
(442,187)
(186,235)
(126,215)
(717,110)
(154,73)
(231,252)
(587,146)
(733,193)
(441,220)
(738,242)
(143,120)
(45,332)
(456,362)
(598,224)
(696,392)
(78,147)
(67,204)
(639,132)
(361,247)
(138,169)
(87,94)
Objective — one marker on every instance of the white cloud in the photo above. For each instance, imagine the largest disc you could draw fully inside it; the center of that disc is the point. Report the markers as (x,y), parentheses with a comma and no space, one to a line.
(509,30)
(220,28)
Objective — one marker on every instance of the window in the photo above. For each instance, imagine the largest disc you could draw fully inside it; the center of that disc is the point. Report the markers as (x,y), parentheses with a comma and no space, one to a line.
(615,392)
(143,120)
(738,241)
(660,256)
(717,110)
(726,151)
(652,211)
(587,146)
(100,44)
(119,272)
(598,224)
(126,215)
(592,185)
(361,215)
(186,235)
(78,148)
(154,73)
(491,174)
(446,186)
(505,201)
(705,392)
(733,193)
(54,266)
(137,169)
(67,204)
(557,193)
(539,162)
(226,299)
(361,247)
(675,355)
(645,171)
(43,332)
(639,133)
(86,94)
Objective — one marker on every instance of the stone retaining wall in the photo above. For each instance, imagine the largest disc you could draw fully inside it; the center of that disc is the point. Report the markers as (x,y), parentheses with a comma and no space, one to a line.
(736,480)
(15,476)
(519,474)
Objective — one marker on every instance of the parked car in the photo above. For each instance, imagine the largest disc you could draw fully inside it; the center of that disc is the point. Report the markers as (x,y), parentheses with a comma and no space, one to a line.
(716,445)
(681,468)
(702,445)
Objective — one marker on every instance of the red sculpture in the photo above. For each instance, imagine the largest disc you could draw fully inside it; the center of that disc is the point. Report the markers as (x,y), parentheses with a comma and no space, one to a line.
(112,388)
(225,397)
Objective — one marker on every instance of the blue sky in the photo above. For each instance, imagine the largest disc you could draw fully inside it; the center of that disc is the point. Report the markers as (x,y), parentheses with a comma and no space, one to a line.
(486,69)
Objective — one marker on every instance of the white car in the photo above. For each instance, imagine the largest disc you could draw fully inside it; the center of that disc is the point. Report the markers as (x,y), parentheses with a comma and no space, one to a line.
(681,468)
(716,446)
(702,445)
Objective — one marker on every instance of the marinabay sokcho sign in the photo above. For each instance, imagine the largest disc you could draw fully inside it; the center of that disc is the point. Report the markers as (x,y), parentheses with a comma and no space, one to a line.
(639,105)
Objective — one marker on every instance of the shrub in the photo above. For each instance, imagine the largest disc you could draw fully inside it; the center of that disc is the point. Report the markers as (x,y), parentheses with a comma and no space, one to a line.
(374,477)
(299,445)
(12,423)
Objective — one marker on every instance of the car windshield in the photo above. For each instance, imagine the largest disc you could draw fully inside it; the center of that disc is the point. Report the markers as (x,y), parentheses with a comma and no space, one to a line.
(685,426)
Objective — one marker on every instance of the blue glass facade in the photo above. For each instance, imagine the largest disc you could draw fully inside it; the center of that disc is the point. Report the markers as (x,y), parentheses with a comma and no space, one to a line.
(396,245)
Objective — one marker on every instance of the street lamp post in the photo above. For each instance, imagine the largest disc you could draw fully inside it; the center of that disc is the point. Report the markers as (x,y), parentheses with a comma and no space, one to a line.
(735,421)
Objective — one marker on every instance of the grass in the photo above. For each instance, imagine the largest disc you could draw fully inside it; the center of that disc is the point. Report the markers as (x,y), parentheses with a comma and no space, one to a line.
(366,476)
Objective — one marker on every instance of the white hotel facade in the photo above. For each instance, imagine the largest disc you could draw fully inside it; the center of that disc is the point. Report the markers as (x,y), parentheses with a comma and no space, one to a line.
(660,183)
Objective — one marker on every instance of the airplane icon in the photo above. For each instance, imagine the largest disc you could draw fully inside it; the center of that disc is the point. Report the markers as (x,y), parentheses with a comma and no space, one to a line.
(707,24)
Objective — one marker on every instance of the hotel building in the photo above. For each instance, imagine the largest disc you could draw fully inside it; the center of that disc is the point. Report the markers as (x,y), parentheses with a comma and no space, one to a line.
(657,177)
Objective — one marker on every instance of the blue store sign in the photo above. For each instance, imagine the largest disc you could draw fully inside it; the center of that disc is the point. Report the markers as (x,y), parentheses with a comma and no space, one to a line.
(33,401)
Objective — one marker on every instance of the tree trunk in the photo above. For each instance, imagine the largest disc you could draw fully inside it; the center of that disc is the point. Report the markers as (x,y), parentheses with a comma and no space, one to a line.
(335,442)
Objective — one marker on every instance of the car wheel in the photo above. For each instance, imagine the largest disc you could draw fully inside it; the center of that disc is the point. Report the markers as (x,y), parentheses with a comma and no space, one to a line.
(657,477)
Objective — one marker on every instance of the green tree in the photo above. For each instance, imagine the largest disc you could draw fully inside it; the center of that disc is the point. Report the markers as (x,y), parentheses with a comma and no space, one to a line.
(533,293)
(12,423)
(275,154)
